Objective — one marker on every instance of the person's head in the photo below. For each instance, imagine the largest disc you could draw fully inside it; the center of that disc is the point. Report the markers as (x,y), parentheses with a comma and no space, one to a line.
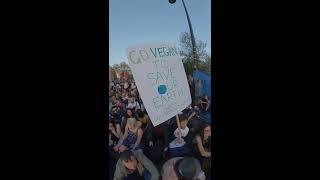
(142,116)
(183,121)
(129,113)
(113,98)
(205,130)
(129,160)
(130,98)
(114,109)
(187,168)
(132,123)
(119,102)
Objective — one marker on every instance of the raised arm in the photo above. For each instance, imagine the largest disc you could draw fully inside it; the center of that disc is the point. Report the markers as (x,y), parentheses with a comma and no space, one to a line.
(191,116)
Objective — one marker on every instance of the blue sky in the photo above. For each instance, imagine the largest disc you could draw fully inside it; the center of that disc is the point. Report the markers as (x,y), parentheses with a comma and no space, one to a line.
(134,22)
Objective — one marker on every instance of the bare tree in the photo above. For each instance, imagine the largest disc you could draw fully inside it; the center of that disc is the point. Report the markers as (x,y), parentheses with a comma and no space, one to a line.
(186,50)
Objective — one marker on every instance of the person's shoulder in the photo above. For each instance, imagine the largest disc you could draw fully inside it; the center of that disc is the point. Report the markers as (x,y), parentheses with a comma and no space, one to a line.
(197,137)
(119,164)
(138,154)
(201,176)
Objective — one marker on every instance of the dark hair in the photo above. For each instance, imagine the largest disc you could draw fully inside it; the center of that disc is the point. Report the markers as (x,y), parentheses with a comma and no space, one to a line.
(126,155)
(187,168)
(201,129)
(182,117)
(132,112)
(111,120)
(140,113)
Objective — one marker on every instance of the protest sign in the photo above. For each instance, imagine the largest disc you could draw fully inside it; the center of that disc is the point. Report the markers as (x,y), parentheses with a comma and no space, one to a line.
(161,80)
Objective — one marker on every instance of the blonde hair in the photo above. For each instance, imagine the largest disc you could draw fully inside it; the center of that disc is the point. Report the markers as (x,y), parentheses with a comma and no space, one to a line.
(132,121)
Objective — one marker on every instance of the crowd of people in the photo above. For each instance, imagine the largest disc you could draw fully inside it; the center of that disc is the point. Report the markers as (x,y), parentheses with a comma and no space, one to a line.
(138,150)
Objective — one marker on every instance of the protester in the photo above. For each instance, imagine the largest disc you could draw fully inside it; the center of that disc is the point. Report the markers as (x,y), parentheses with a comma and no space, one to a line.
(131,129)
(125,97)
(131,138)
(116,114)
(203,147)
(132,103)
(147,127)
(125,86)
(148,133)
(182,168)
(113,140)
(113,100)
(193,118)
(134,166)
(129,114)
(203,140)
(118,86)
(139,100)
(120,104)
(114,131)
(182,139)
(204,103)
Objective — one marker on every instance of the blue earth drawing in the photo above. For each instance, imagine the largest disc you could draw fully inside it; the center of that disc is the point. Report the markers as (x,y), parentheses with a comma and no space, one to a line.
(162,89)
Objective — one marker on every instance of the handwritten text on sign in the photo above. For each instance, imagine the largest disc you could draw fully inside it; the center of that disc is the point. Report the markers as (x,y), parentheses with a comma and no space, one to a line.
(161,80)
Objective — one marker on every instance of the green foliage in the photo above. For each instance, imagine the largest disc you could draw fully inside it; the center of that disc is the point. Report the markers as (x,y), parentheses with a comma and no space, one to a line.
(186,52)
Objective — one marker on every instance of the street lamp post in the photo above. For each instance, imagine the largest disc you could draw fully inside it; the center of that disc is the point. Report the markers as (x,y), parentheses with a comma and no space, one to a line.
(191,33)
(193,44)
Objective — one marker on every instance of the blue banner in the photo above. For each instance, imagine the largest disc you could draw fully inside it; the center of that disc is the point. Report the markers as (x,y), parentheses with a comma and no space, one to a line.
(202,82)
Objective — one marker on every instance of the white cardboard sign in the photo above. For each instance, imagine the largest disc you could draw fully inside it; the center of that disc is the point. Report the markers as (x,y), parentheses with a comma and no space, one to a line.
(161,80)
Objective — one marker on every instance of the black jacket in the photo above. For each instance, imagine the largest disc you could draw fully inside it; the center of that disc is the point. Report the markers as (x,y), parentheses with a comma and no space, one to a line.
(148,132)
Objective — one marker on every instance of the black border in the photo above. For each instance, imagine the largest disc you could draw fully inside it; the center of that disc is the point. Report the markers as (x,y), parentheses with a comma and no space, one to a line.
(55,99)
